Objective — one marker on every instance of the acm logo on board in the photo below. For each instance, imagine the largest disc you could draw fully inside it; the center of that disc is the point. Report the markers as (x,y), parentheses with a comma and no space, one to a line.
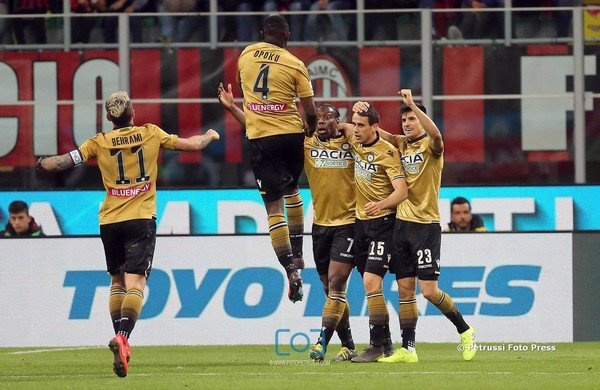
(329,80)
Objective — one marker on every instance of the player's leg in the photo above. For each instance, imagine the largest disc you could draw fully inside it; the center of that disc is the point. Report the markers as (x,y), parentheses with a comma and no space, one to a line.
(428,271)
(408,314)
(446,305)
(321,238)
(293,155)
(272,179)
(336,312)
(294,210)
(404,266)
(339,272)
(139,242)
(138,265)
(377,235)
(115,299)
(115,258)
(280,240)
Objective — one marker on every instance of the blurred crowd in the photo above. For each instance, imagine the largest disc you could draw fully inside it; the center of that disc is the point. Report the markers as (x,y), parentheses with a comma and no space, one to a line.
(244,28)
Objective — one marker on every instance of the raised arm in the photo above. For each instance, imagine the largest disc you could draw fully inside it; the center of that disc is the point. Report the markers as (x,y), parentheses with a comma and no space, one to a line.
(310,110)
(226,99)
(437,144)
(55,163)
(392,201)
(196,142)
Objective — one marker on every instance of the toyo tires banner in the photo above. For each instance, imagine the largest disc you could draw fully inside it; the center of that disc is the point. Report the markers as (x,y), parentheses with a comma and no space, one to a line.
(231,290)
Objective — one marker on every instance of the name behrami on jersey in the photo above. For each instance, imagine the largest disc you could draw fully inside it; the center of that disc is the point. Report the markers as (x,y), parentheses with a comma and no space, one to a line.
(329,166)
(127,159)
(271,78)
(423,170)
(375,167)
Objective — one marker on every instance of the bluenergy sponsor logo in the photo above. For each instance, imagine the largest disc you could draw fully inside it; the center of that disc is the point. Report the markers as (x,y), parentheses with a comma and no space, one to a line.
(129,192)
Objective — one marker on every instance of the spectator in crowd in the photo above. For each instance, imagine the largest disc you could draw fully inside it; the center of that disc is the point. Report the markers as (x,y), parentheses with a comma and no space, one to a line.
(340,27)
(563,19)
(20,223)
(478,25)
(441,20)
(111,25)
(174,28)
(462,220)
(533,24)
(3,22)
(37,25)
(386,23)
(81,27)
(247,25)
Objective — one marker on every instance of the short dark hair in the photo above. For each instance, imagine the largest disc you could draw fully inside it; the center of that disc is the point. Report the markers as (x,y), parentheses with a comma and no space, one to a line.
(406,108)
(276,26)
(18,206)
(459,200)
(371,113)
(331,108)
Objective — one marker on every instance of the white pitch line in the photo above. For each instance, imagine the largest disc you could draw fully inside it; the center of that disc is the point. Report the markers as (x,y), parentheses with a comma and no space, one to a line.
(48,350)
(252,374)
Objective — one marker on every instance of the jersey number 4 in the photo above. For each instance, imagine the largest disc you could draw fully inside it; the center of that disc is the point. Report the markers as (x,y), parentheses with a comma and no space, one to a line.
(139,150)
(262,81)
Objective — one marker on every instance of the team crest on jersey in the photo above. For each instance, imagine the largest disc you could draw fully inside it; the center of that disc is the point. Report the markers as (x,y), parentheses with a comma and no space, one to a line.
(345,146)
(329,80)
(412,162)
(370,157)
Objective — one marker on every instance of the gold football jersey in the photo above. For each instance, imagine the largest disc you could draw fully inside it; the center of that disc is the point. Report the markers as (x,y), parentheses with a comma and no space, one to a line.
(271,78)
(423,170)
(375,167)
(127,159)
(329,166)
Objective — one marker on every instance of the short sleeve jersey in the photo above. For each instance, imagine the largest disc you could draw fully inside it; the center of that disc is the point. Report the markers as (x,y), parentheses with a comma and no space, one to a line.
(127,159)
(271,78)
(329,166)
(375,167)
(423,170)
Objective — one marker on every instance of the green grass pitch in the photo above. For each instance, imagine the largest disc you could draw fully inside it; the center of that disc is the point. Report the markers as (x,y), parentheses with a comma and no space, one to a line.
(569,365)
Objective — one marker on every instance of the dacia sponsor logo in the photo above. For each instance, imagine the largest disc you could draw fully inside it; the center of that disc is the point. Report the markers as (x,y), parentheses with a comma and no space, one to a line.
(365,165)
(502,291)
(412,162)
(331,154)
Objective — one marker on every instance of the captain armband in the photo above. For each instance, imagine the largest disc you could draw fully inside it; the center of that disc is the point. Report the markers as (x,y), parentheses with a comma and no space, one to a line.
(76,156)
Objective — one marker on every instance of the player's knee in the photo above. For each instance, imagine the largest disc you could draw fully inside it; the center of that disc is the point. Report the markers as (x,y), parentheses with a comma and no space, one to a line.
(430,293)
(336,282)
(372,282)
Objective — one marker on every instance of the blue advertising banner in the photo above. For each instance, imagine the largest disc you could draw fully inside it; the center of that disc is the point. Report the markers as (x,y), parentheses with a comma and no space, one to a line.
(507,208)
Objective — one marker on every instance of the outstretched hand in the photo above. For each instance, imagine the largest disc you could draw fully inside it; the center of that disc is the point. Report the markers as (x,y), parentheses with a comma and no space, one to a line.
(225,96)
(213,134)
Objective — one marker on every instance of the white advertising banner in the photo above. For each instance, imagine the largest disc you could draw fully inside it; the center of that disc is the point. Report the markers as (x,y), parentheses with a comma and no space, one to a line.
(231,290)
